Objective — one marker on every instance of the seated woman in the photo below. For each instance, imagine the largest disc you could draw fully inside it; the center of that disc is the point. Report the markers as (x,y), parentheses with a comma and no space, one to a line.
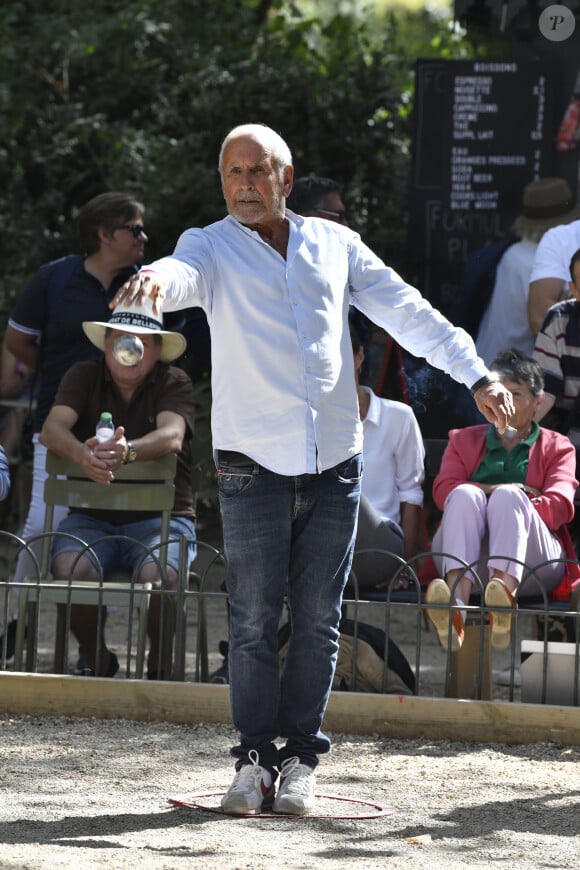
(506,499)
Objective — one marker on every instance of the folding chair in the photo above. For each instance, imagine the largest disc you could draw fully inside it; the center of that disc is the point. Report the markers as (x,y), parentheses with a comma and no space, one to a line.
(138,486)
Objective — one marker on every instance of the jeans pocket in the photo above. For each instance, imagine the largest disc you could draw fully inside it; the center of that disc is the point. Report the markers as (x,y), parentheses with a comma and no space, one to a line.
(350,471)
(234,481)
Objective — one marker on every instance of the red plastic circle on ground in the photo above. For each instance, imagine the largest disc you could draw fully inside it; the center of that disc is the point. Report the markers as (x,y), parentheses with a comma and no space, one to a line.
(192,802)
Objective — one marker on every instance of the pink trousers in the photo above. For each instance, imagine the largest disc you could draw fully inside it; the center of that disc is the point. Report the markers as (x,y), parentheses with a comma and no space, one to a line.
(503,531)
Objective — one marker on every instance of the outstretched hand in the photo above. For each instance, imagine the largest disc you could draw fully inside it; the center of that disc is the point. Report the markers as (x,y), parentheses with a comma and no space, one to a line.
(134,291)
(496,404)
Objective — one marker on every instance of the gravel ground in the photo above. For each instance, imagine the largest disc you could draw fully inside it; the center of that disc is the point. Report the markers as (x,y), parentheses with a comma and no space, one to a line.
(87,793)
(93,793)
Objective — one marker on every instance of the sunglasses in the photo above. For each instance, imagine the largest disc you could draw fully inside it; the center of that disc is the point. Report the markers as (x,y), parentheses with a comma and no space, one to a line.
(340,216)
(138,230)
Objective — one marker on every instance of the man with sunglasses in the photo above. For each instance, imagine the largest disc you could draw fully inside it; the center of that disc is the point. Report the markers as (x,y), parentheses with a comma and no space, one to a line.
(315,196)
(45,327)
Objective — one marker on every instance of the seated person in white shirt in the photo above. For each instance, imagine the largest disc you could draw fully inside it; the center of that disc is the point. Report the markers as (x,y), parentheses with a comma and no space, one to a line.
(392,494)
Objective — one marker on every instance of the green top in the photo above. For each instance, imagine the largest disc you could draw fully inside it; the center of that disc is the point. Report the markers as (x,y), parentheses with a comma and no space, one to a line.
(499,466)
(106,417)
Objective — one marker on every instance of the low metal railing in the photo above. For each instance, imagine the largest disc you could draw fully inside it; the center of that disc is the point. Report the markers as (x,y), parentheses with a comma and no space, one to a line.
(200,589)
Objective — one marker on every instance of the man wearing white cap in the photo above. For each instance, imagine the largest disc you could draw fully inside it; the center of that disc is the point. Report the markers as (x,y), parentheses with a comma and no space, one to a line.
(152,406)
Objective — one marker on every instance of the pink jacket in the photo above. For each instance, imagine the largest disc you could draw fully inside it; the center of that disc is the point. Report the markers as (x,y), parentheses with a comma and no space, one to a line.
(551,470)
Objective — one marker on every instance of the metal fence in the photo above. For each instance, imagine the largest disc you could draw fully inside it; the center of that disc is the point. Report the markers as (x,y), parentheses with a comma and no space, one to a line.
(195,617)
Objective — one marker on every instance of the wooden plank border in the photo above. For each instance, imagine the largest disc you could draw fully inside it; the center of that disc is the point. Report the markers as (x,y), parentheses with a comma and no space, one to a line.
(349,713)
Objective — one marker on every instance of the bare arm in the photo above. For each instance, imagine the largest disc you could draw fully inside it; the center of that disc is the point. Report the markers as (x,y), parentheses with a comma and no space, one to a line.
(23,346)
(410,516)
(100,461)
(97,463)
(543,293)
(166,438)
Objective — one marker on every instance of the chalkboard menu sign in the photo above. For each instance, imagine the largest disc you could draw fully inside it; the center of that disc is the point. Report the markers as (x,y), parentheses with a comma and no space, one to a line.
(483,130)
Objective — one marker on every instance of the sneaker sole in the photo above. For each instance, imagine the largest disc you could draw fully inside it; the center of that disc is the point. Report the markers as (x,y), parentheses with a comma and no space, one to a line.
(496,595)
(288,808)
(440,594)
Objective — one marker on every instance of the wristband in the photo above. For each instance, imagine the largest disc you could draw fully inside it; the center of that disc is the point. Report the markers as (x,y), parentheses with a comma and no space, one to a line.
(482,382)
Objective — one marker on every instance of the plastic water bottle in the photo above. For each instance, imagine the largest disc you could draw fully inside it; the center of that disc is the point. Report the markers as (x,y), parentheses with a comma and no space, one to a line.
(105,428)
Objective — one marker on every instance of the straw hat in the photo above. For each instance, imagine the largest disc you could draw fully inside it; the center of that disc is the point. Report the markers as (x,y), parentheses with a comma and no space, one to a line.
(139,319)
(547,203)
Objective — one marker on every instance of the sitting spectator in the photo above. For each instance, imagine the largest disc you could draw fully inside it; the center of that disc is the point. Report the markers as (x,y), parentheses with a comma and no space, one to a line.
(545,203)
(391,499)
(44,329)
(506,499)
(153,403)
(549,278)
(556,350)
(314,196)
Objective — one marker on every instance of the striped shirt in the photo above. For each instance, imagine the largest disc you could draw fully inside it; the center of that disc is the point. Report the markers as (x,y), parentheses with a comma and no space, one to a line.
(557,350)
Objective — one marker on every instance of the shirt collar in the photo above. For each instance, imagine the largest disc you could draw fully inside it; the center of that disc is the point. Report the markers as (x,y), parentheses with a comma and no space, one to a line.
(374,411)
(493,443)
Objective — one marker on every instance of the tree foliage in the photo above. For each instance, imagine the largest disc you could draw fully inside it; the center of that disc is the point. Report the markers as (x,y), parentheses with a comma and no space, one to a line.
(139,95)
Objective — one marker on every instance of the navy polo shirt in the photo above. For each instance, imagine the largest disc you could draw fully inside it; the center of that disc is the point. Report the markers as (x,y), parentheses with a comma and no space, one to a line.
(57,316)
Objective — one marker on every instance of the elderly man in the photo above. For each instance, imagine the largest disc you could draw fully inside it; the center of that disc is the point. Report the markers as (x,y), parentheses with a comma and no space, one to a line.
(288,439)
(152,405)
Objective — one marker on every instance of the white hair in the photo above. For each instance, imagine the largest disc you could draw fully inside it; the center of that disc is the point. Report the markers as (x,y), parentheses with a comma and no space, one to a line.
(281,154)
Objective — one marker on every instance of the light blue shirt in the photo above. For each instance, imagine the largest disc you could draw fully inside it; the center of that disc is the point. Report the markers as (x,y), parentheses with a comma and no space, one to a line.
(282,369)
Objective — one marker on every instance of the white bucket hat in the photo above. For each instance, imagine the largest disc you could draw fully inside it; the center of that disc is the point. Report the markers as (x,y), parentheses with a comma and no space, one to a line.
(138,319)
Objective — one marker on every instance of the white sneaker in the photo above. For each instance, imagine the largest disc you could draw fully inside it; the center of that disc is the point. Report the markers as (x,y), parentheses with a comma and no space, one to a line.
(296,793)
(251,789)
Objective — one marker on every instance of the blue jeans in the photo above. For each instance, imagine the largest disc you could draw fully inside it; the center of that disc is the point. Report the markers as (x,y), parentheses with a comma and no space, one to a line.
(114,551)
(289,536)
